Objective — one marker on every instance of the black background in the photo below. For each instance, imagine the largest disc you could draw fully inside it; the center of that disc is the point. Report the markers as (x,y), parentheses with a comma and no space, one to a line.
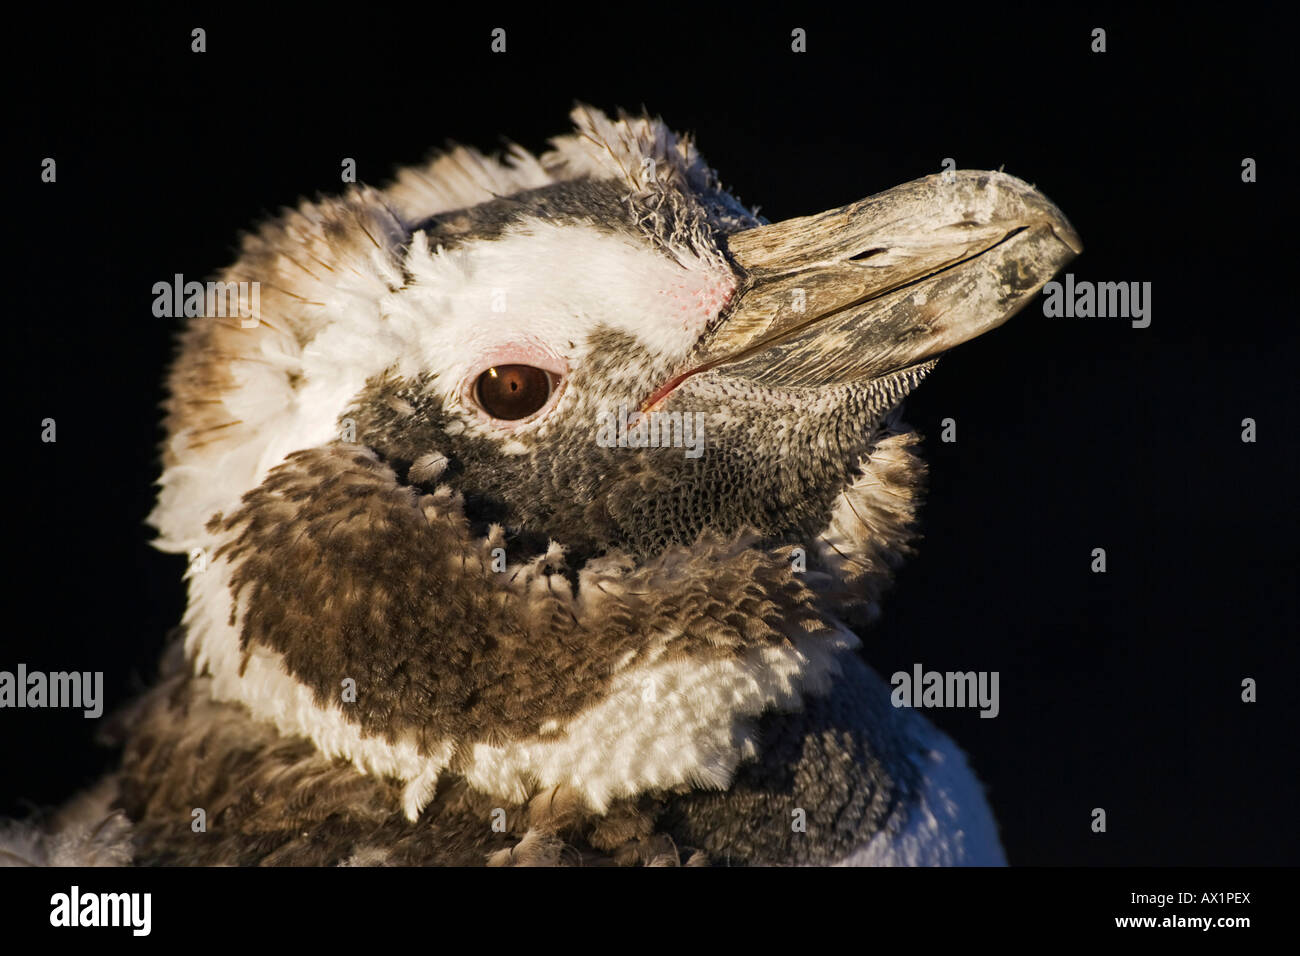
(1119,690)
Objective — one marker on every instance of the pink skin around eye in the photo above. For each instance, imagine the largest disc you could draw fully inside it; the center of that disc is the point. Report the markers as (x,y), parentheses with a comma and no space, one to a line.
(518,353)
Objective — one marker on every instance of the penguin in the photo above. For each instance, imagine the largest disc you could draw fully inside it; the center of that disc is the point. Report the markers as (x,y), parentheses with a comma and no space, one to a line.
(534,514)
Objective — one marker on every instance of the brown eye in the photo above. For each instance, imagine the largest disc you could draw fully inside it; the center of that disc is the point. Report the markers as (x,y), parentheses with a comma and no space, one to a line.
(510,392)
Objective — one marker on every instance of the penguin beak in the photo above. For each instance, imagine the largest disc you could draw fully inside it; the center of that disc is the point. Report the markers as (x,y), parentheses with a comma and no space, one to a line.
(886,283)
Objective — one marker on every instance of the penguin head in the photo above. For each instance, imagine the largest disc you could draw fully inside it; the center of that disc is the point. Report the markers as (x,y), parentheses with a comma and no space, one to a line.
(629,361)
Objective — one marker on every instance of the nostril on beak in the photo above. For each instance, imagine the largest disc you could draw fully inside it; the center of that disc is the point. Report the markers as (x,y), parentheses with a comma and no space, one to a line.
(863,256)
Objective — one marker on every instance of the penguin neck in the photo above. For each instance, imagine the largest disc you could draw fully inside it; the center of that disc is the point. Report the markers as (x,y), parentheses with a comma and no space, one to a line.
(344,606)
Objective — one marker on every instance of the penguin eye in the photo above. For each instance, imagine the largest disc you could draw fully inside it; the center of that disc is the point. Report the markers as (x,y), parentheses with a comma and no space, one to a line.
(510,392)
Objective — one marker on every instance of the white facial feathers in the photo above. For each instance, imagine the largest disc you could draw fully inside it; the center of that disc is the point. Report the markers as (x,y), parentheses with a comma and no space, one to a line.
(336,306)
